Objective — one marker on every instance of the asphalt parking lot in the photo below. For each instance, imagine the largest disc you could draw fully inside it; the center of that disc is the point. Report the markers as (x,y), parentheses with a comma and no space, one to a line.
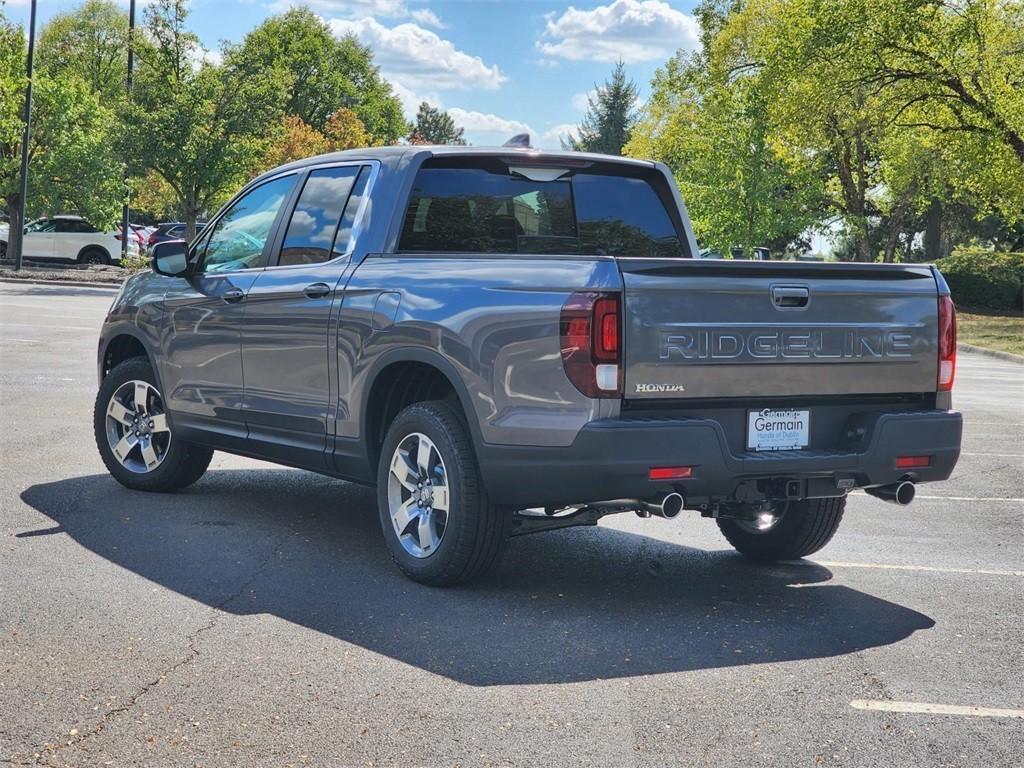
(255,619)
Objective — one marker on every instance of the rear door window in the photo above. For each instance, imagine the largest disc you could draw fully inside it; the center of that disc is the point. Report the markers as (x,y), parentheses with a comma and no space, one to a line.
(488,209)
(316,232)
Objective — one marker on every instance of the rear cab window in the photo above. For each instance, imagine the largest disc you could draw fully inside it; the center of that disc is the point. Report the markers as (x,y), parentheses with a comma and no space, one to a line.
(320,227)
(504,205)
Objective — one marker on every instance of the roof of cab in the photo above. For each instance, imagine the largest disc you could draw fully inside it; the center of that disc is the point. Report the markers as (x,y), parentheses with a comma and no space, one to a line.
(396,153)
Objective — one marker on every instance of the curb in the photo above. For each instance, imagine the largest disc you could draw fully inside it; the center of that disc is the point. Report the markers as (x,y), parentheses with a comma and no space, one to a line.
(72,283)
(1009,356)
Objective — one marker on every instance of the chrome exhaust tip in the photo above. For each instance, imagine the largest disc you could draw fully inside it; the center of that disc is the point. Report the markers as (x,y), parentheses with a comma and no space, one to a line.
(668,508)
(901,493)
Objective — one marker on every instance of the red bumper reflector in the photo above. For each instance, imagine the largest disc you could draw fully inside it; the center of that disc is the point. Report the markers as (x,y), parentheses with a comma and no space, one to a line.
(913,462)
(669,473)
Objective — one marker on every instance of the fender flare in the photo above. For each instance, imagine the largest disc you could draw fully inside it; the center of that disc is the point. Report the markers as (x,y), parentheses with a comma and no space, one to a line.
(112,332)
(429,357)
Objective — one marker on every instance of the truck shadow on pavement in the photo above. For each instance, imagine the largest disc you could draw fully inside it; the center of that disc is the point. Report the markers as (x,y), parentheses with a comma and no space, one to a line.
(567,606)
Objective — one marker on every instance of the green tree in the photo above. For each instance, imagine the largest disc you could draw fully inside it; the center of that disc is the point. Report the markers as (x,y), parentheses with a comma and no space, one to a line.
(610,117)
(433,126)
(911,108)
(787,49)
(90,42)
(203,128)
(714,134)
(951,77)
(323,73)
(71,166)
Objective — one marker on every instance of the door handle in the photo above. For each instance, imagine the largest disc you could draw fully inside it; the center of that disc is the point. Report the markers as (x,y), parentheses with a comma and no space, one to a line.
(233,295)
(790,296)
(317,290)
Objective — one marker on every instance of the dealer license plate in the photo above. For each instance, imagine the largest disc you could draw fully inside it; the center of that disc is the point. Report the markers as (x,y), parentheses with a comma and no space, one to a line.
(777,430)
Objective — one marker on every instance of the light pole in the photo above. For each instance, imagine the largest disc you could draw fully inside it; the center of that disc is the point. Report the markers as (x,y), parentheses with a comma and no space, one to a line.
(125,230)
(18,237)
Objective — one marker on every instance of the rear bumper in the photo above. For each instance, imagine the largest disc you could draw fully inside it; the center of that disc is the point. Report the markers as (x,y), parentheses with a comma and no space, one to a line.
(610,459)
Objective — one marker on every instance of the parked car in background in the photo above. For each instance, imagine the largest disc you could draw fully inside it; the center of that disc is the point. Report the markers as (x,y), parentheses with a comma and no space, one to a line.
(71,238)
(171,230)
(136,235)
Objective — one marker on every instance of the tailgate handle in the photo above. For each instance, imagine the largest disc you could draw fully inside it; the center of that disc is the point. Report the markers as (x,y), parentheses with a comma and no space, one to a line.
(790,296)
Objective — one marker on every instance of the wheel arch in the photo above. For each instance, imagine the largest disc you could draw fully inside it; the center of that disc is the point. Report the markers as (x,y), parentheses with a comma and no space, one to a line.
(121,344)
(405,376)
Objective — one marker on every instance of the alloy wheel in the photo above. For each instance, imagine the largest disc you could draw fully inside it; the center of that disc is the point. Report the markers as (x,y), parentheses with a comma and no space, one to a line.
(418,495)
(137,429)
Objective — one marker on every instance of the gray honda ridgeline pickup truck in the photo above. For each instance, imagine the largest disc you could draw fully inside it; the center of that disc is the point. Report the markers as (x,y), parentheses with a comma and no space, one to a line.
(505,341)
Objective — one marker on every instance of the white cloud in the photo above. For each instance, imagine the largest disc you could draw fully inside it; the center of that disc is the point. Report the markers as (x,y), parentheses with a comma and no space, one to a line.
(581,101)
(411,99)
(481,122)
(418,59)
(360,9)
(427,18)
(551,138)
(353,8)
(631,30)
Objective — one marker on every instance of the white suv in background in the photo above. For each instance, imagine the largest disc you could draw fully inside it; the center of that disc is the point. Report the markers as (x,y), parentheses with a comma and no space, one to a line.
(71,238)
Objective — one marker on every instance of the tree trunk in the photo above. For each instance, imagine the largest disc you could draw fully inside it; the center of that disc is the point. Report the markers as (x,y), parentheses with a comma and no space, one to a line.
(862,246)
(897,220)
(933,232)
(191,214)
(15,228)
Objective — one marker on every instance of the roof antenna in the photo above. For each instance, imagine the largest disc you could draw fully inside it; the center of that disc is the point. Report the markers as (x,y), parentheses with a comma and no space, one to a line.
(520,140)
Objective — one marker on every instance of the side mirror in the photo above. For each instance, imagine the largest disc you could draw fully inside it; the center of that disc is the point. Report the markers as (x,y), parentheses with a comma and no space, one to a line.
(170,258)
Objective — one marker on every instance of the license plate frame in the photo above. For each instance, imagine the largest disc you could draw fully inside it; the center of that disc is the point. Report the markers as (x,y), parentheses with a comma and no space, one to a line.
(778,429)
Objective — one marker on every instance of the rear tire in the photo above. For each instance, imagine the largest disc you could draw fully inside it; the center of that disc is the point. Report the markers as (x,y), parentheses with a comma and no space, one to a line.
(93,256)
(804,528)
(158,461)
(431,544)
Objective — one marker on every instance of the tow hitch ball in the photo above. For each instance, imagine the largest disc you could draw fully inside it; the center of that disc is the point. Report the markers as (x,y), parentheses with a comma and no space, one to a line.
(901,493)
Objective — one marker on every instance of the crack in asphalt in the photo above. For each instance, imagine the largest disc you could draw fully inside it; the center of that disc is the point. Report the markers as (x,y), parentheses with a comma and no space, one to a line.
(43,755)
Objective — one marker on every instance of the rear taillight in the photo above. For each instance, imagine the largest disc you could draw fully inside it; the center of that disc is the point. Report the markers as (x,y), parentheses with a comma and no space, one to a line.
(947,344)
(590,325)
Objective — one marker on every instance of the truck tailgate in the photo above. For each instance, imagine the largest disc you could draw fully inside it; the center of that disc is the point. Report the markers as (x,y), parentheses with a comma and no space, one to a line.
(720,329)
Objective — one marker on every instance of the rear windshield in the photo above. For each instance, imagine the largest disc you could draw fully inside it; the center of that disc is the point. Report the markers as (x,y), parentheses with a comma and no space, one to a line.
(486,208)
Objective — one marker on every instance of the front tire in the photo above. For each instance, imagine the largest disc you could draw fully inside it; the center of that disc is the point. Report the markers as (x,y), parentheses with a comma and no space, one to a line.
(134,436)
(803,528)
(438,523)
(93,256)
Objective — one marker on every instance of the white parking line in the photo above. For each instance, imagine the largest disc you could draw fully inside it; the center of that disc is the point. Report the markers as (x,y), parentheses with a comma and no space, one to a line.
(914,707)
(46,327)
(920,497)
(1001,455)
(927,568)
(970,498)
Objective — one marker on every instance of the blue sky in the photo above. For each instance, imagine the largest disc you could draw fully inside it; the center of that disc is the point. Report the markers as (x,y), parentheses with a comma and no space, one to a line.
(498,67)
